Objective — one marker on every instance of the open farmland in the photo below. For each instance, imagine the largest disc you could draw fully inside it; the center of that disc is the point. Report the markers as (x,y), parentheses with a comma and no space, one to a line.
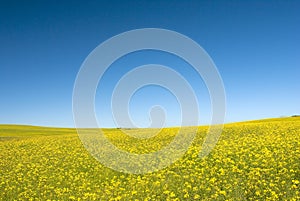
(254,160)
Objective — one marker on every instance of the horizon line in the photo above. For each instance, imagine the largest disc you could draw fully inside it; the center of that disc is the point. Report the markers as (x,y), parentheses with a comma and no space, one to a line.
(225,123)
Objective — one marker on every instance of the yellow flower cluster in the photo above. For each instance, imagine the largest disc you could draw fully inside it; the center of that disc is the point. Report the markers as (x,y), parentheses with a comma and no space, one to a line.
(256,160)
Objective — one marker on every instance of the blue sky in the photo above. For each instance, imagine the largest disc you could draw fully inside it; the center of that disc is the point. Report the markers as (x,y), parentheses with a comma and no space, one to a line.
(254,44)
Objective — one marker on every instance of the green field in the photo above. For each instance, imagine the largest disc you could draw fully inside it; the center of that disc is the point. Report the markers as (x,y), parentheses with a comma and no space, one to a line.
(254,160)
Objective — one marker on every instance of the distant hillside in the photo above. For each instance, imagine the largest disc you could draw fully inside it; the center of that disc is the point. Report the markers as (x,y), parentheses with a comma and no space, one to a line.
(28,130)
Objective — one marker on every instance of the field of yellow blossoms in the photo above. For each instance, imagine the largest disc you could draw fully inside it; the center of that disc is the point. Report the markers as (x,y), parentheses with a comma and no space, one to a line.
(254,160)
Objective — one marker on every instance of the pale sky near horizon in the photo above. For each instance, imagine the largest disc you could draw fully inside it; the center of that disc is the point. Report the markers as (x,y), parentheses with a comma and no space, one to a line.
(254,44)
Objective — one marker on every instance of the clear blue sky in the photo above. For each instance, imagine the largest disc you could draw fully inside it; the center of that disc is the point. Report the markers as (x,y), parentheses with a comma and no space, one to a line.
(254,44)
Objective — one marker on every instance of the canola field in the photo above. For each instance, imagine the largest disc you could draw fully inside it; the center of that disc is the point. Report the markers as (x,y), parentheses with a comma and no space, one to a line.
(254,160)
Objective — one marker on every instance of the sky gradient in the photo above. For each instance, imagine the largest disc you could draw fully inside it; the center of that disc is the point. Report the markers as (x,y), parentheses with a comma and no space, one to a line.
(254,44)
